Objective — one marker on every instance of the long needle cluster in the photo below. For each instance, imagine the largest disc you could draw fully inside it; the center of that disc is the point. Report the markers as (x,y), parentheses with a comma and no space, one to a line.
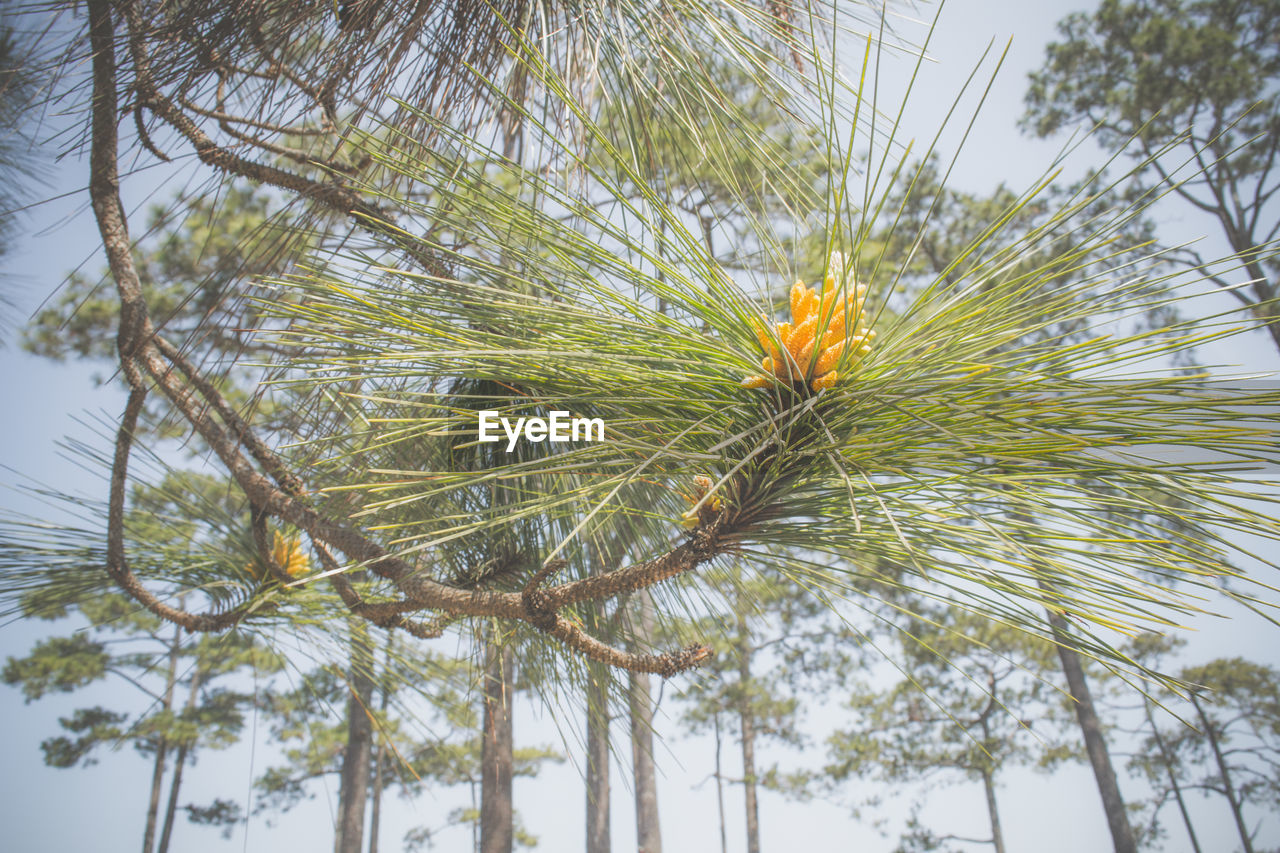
(823,331)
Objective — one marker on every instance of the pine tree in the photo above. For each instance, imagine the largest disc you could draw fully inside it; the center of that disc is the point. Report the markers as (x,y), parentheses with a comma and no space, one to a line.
(185,704)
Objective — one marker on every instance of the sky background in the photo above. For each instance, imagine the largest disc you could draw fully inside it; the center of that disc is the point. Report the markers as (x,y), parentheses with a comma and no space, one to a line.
(102,807)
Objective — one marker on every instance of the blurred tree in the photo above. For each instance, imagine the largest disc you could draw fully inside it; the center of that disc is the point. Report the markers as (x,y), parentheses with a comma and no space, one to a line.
(640,707)
(137,647)
(1152,758)
(422,737)
(203,269)
(1194,86)
(600,691)
(779,644)
(18,88)
(599,680)
(202,265)
(973,701)
(1228,744)
(930,248)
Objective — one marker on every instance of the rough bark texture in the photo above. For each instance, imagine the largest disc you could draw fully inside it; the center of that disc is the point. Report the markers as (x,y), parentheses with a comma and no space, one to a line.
(357,756)
(648,829)
(496,750)
(1094,742)
(598,840)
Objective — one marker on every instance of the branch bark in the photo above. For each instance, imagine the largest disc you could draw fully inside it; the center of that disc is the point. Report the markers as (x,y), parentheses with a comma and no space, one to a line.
(148,361)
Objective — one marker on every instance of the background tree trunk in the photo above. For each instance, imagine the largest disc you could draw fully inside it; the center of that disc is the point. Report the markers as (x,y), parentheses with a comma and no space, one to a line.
(179,761)
(496,749)
(648,829)
(1095,743)
(1167,761)
(997,835)
(157,770)
(598,759)
(356,758)
(747,722)
(375,793)
(724,834)
(153,803)
(989,786)
(1227,788)
(379,755)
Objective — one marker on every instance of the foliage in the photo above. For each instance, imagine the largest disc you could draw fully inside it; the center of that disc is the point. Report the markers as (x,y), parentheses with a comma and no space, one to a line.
(18,91)
(979,350)
(198,271)
(556,305)
(579,255)
(1157,68)
(522,255)
(1235,717)
(973,700)
(127,643)
(1190,86)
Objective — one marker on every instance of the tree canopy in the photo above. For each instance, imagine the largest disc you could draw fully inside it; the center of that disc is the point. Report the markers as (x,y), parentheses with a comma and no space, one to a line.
(883,390)
(1193,88)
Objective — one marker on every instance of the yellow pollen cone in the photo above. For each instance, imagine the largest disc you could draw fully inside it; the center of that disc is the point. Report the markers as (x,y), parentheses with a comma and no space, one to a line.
(799,296)
(830,357)
(801,335)
(766,342)
(827,380)
(288,554)
(809,346)
(804,357)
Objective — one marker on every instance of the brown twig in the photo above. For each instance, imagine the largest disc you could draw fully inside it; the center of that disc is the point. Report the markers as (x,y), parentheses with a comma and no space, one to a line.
(117,563)
(149,361)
